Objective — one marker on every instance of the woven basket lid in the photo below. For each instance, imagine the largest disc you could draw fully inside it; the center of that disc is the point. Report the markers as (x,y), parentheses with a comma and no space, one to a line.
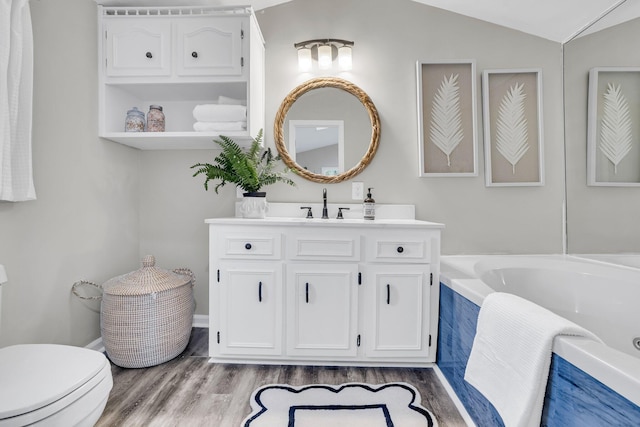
(146,280)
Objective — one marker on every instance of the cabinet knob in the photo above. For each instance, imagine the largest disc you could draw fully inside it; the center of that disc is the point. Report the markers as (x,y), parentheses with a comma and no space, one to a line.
(148,55)
(194,54)
(247,246)
(400,249)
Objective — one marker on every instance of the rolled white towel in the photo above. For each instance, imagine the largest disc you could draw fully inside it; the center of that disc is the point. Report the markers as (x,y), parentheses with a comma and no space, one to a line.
(220,113)
(218,126)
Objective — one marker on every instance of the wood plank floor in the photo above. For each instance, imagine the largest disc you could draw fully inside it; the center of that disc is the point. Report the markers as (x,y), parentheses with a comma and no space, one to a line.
(189,391)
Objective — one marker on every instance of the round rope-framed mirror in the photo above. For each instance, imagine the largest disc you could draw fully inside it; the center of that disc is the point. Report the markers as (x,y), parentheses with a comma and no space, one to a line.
(316,84)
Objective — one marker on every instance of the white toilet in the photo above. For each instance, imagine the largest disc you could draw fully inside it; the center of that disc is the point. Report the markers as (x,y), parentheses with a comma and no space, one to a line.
(52,385)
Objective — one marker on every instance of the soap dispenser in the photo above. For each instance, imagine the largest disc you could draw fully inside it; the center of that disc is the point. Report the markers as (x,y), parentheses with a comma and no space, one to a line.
(369,206)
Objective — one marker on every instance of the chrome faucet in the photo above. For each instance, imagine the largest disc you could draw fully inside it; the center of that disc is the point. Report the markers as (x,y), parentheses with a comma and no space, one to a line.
(325,213)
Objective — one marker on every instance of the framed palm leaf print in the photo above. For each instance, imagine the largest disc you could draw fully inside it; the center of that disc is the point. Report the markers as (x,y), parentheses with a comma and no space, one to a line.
(513,132)
(447,138)
(613,137)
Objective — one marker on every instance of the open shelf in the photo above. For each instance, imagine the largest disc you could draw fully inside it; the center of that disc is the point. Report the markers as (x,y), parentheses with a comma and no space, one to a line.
(175,140)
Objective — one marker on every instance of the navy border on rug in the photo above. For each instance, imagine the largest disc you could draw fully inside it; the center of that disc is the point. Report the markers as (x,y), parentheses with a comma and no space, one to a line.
(336,389)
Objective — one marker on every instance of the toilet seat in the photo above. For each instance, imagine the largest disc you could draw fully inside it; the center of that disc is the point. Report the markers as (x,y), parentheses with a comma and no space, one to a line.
(39,381)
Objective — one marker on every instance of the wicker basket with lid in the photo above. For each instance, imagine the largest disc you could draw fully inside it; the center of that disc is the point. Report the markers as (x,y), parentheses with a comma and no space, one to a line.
(146,315)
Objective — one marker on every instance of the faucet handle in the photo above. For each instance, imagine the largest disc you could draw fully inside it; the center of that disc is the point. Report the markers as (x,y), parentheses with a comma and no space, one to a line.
(309,213)
(340,213)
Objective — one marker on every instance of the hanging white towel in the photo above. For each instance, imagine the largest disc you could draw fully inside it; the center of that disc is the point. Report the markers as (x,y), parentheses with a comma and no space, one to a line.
(218,126)
(220,113)
(16,81)
(511,355)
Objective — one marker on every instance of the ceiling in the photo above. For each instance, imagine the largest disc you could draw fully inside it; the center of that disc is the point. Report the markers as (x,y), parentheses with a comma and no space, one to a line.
(556,20)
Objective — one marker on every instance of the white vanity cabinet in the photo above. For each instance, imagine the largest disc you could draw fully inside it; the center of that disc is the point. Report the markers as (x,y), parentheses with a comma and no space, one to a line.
(178,57)
(400,274)
(344,292)
(248,278)
(397,304)
(252,292)
(322,308)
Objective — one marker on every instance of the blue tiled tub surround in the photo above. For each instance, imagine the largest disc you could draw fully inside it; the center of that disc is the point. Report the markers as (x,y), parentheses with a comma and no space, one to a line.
(457,327)
(574,398)
(603,396)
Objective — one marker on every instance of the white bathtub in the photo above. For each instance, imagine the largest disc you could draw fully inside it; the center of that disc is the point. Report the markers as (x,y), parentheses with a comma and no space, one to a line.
(600,297)
(621,260)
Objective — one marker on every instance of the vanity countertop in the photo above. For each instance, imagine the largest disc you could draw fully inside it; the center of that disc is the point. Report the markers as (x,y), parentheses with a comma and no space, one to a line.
(294,214)
(331,222)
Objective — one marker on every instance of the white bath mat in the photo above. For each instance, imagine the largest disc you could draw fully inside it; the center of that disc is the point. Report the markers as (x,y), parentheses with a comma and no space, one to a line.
(345,405)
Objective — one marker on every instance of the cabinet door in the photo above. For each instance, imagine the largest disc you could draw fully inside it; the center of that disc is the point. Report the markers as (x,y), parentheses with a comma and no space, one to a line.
(322,309)
(138,47)
(250,308)
(397,305)
(209,46)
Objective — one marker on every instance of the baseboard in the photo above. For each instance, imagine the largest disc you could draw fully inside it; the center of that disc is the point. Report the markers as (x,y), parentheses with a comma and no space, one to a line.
(199,321)
(452,394)
(96,345)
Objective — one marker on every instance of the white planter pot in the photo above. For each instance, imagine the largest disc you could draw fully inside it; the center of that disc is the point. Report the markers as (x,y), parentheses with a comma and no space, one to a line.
(254,205)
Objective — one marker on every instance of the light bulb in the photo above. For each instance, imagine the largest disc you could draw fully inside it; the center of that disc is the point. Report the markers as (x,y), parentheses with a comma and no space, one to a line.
(345,60)
(324,56)
(304,59)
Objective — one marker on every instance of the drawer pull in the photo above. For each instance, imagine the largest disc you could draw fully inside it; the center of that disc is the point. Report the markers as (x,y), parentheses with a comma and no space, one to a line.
(247,246)
(194,54)
(400,249)
(388,294)
(259,291)
(306,291)
(149,55)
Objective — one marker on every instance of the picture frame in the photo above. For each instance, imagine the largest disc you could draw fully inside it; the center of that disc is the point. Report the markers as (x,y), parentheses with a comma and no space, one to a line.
(447,124)
(613,134)
(513,127)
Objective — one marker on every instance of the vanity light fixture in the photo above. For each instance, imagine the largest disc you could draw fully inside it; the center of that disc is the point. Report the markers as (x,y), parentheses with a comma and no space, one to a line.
(304,59)
(324,49)
(324,56)
(345,61)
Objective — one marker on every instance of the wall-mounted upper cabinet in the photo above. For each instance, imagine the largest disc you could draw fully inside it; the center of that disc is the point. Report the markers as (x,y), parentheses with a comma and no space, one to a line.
(178,58)
(138,47)
(205,47)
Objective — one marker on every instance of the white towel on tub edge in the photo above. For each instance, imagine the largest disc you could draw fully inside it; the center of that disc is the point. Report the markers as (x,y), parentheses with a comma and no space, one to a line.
(511,355)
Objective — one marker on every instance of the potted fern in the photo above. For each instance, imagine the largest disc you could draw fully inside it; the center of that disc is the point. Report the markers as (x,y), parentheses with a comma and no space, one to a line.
(250,169)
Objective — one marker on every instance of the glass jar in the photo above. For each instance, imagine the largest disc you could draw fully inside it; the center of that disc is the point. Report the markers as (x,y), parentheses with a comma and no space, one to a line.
(134,121)
(155,119)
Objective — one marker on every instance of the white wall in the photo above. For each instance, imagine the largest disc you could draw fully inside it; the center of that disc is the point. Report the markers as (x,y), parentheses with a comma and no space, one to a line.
(390,36)
(84,224)
(101,206)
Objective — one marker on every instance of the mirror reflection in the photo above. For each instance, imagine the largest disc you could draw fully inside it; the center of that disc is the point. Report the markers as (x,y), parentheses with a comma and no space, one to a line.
(327,130)
(600,220)
(329,104)
(318,145)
